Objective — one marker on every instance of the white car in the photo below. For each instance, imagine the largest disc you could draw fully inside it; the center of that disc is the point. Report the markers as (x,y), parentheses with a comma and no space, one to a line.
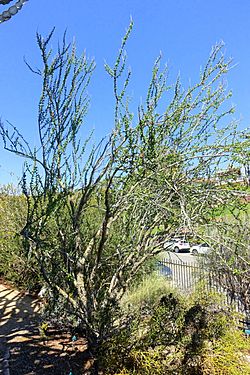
(200,249)
(177,245)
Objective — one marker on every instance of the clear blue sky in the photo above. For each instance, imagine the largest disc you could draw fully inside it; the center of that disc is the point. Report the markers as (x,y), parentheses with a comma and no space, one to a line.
(184,30)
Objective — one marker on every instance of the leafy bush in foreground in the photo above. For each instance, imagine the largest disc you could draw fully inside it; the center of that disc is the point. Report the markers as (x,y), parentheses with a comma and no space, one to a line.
(172,334)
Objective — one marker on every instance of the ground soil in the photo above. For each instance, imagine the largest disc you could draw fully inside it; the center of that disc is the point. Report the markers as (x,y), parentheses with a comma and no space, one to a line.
(23,350)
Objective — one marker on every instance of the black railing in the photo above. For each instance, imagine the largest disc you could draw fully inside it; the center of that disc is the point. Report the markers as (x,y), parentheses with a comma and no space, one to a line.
(189,276)
(180,274)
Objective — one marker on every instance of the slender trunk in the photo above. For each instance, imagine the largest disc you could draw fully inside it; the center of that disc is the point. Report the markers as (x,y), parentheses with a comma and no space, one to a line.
(93,349)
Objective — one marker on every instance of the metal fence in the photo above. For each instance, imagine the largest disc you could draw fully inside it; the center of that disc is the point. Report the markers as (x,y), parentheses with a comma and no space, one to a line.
(182,275)
(189,276)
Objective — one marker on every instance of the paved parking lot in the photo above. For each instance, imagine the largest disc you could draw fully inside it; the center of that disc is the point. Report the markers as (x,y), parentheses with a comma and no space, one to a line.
(178,257)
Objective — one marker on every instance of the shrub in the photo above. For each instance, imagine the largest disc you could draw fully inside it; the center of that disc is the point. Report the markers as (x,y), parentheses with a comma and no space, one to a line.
(150,290)
(167,333)
(15,265)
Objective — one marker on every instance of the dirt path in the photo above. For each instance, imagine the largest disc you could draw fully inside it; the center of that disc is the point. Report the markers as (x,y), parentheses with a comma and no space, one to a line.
(22,350)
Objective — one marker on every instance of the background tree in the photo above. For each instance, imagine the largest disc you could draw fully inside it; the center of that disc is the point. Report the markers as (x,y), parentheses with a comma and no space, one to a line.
(95,213)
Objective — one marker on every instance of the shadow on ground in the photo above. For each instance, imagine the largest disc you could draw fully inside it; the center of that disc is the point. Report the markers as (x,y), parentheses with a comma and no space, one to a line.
(29,353)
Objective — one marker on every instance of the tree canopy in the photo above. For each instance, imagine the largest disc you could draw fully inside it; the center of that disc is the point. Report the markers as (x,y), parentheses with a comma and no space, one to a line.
(96,214)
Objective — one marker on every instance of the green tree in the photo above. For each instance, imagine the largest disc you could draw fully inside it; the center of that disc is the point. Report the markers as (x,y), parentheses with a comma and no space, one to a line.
(95,212)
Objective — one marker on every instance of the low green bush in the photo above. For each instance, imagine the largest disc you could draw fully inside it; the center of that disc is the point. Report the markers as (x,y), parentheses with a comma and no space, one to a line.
(150,290)
(168,333)
(15,266)
(229,355)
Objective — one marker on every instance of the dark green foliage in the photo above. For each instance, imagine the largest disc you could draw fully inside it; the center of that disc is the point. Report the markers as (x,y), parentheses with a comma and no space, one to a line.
(167,316)
(15,266)
(175,336)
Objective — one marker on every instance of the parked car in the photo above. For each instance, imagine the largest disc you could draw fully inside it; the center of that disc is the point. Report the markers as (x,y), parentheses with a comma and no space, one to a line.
(177,245)
(200,249)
